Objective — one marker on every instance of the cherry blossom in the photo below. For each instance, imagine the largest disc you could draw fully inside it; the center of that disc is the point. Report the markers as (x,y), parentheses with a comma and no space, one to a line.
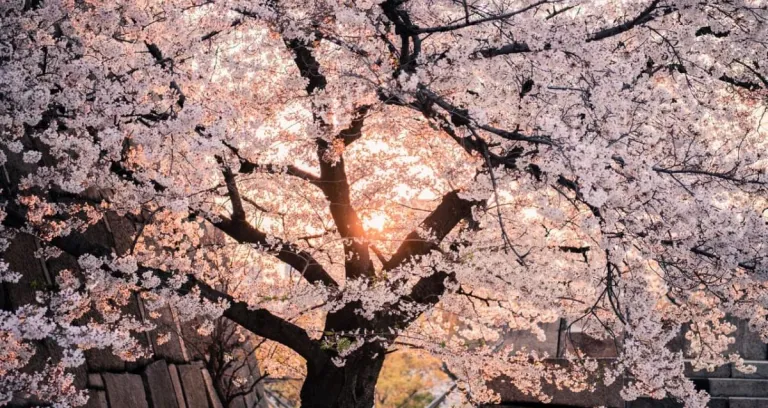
(347,178)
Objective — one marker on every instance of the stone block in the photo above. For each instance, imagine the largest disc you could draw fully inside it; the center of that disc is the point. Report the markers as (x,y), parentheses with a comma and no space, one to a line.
(748,343)
(123,232)
(762,371)
(525,339)
(589,346)
(176,381)
(748,403)
(98,360)
(103,360)
(724,371)
(719,403)
(19,256)
(138,364)
(193,385)
(671,403)
(213,397)
(99,232)
(95,381)
(96,399)
(254,399)
(738,387)
(172,350)
(5,301)
(654,403)
(61,262)
(160,386)
(678,343)
(239,402)
(48,350)
(606,396)
(81,376)
(125,391)
(195,343)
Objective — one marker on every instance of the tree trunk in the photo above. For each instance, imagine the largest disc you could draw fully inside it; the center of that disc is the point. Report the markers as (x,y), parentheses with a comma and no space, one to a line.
(350,386)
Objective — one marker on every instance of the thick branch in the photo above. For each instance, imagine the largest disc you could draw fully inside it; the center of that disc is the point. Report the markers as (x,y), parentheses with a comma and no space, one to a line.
(759,76)
(507,49)
(308,65)
(750,86)
(355,129)
(333,176)
(243,232)
(707,254)
(407,32)
(238,213)
(247,167)
(300,260)
(428,290)
(451,210)
(642,18)
(261,322)
(459,117)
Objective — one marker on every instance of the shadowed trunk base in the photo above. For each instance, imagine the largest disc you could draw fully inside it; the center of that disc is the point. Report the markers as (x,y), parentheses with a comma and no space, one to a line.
(350,386)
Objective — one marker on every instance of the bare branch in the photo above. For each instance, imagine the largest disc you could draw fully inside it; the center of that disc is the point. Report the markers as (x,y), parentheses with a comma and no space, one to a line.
(443,29)
(642,18)
(723,176)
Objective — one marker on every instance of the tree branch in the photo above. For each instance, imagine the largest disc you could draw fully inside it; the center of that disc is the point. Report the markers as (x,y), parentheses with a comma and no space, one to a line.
(354,131)
(443,29)
(451,210)
(333,177)
(300,260)
(260,321)
(459,116)
(249,167)
(723,176)
(308,65)
(238,213)
(507,49)
(642,18)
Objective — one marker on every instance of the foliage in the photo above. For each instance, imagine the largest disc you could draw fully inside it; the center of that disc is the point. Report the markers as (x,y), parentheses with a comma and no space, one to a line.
(407,379)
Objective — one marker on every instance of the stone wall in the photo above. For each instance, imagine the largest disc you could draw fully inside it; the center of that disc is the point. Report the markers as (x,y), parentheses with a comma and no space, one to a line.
(728,387)
(161,385)
(175,376)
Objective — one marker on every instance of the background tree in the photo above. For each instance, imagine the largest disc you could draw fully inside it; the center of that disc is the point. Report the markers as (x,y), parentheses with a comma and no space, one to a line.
(408,379)
(510,162)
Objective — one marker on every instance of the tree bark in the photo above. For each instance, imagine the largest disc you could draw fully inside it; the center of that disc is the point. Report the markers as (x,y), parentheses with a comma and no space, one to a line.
(350,386)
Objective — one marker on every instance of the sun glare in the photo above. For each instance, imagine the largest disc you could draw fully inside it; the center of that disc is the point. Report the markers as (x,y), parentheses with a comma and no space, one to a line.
(375,221)
(530,213)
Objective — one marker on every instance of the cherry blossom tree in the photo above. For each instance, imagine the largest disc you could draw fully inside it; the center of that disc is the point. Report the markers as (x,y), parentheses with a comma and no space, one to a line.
(507,162)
